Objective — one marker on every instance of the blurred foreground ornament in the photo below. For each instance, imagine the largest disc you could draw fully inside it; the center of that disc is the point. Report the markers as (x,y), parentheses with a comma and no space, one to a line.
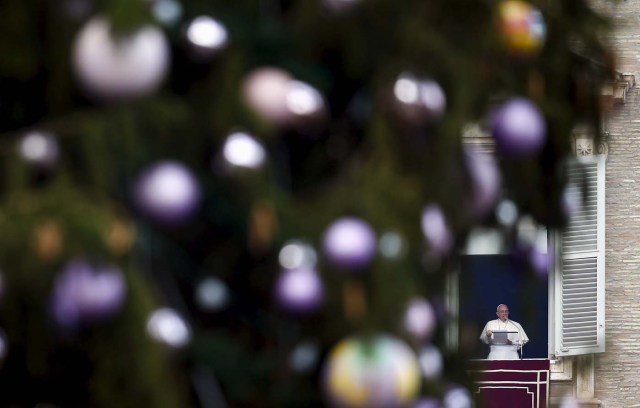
(519,128)
(4,345)
(263,225)
(426,402)
(283,101)
(167,326)
(457,397)
(120,237)
(392,245)
(241,149)
(206,37)
(48,240)
(420,319)
(417,101)
(114,68)
(341,5)
(522,27)
(304,357)
(431,362)
(212,294)
(39,149)
(297,254)
(167,192)
(435,230)
(378,372)
(299,290)
(167,12)
(86,293)
(486,181)
(349,243)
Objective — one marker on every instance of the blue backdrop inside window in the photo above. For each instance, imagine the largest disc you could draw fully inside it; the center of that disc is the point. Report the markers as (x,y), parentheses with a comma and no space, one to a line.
(489,280)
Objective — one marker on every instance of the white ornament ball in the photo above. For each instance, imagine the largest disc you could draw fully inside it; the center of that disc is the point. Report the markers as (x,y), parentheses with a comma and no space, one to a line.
(350,243)
(167,192)
(115,68)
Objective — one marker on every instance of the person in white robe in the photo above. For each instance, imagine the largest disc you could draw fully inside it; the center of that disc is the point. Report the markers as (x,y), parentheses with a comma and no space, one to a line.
(515,340)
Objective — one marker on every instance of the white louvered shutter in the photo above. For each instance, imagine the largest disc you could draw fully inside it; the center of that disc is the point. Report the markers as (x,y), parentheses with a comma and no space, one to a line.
(579,291)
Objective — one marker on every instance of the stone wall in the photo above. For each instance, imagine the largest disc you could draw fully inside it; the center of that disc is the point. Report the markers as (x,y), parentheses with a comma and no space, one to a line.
(617,383)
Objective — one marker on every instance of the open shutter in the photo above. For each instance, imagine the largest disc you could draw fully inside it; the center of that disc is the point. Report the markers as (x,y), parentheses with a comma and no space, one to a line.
(579,283)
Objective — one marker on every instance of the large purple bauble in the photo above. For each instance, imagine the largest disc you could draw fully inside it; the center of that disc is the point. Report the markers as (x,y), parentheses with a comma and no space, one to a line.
(299,290)
(350,243)
(519,128)
(167,192)
(84,293)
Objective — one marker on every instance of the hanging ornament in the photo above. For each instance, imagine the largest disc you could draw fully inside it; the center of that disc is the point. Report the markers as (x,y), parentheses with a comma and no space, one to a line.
(243,150)
(349,243)
(486,181)
(263,224)
(169,327)
(297,254)
(420,319)
(4,345)
(457,396)
(417,101)
(522,27)
(212,294)
(167,192)
(341,6)
(86,293)
(283,101)
(426,402)
(435,230)
(304,357)
(114,68)
(519,128)
(168,12)
(206,37)
(381,371)
(120,237)
(48,240)
(299,290)
(3,285)
(431,362)
(392,245)
(39,149)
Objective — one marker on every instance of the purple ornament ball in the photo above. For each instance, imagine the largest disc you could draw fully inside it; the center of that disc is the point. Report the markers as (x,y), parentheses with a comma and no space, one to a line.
(167,192)
(349,243)
(85,293)
(519,128)
(299,290)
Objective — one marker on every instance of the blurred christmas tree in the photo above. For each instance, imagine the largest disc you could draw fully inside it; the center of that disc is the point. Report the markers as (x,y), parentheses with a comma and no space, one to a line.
(256,203)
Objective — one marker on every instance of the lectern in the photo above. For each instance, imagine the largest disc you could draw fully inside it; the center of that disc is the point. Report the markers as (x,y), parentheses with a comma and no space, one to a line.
(510,383)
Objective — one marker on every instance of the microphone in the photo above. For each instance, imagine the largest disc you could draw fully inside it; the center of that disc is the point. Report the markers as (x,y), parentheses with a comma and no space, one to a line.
(520,340)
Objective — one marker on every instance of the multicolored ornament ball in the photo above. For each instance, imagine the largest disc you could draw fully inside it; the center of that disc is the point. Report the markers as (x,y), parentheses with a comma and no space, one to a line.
(167,192)
(518,128)
(85,293)
(350,243)
(114,68)
(299,290)
(381,371)
(522,27)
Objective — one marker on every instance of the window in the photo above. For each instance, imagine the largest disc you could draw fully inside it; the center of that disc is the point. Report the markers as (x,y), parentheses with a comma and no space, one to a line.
(575,286)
